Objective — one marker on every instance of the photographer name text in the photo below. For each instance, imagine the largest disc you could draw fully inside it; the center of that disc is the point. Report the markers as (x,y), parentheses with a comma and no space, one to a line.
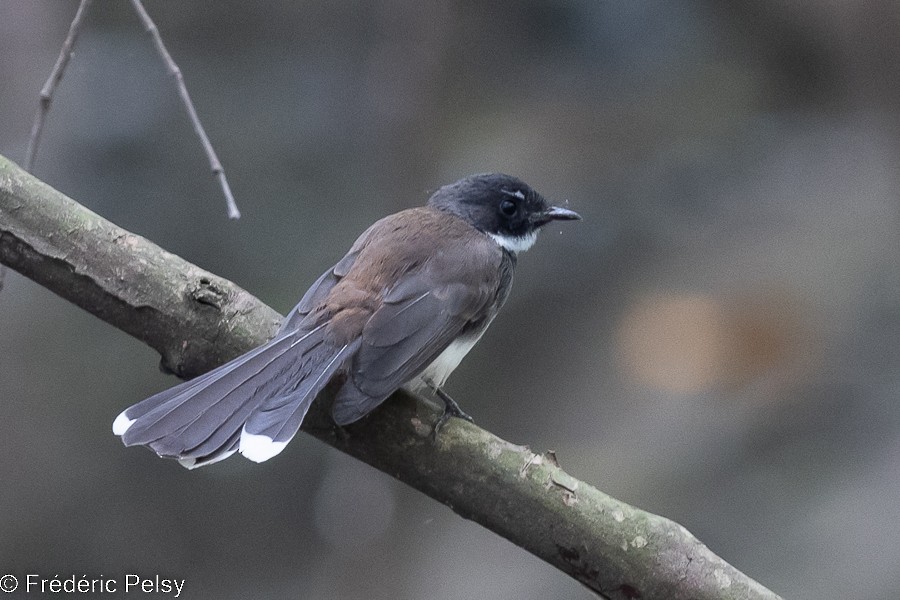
(73,584)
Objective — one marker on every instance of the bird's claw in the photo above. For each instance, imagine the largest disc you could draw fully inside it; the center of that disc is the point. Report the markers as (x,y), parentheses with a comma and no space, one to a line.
(451,409)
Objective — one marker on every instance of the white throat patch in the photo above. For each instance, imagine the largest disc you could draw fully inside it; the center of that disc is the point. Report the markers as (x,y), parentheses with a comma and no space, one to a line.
(515,243)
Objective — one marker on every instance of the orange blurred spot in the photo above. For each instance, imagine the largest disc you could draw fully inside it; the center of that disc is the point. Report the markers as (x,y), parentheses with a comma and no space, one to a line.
(674,342)
(688,343)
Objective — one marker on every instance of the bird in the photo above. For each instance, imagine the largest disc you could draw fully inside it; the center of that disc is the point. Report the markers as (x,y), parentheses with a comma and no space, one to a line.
(410,299)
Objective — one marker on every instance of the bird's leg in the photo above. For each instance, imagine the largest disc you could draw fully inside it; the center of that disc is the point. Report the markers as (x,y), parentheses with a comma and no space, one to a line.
(340,433)
(451,409)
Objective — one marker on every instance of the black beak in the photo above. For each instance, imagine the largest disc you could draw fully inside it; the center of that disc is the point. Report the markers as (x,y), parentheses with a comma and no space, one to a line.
(555,213)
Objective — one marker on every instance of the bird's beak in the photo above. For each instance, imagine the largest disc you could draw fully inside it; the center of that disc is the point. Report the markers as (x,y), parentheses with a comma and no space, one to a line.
(555,213)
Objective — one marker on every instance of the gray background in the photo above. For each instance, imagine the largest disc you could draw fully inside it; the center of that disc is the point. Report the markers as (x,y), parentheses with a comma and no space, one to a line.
(715,342)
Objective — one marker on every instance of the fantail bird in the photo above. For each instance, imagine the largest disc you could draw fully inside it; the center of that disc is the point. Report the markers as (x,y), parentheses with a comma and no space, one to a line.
(416,291)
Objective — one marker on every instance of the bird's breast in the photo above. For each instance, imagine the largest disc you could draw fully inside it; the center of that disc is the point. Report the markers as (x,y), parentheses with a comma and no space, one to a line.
(439,370)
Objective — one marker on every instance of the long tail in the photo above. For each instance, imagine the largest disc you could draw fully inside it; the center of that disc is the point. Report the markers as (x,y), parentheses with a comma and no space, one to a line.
(253,404)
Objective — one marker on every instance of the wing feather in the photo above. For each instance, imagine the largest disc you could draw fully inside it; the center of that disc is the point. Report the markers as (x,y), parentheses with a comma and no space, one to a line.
(423,313)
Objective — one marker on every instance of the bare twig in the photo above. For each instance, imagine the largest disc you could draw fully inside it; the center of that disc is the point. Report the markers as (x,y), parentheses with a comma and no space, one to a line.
(50,86)
(215,165)
(197,320)
(65,53)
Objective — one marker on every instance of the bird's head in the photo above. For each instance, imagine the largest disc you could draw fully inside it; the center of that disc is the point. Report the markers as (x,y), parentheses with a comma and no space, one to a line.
(504,207)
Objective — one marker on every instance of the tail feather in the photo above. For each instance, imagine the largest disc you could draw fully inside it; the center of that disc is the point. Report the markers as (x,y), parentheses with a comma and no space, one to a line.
(276,421)
(201,421)
(210,416)
(221,453)
(230,386)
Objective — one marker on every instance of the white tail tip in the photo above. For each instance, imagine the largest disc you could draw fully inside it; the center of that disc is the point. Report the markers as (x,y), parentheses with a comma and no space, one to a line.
(122,423)
(258,447)
(192,463)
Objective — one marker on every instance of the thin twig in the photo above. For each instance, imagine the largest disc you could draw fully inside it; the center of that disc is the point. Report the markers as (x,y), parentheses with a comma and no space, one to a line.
(215,165)
(46,98)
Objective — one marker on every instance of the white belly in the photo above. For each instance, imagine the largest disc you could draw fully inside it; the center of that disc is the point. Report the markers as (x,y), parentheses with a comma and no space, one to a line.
(438,371)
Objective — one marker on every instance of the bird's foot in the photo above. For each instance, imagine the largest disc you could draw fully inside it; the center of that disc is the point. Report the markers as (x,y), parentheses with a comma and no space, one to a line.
(451,409)
(340,433)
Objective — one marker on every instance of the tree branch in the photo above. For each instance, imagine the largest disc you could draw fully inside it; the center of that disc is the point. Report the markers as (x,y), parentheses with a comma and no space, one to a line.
(175,72)
(59,68)
(197,320)
(194,319)
(46,97)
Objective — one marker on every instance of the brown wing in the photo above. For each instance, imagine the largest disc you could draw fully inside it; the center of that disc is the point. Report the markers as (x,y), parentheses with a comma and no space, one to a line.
(318,292)
(423,311)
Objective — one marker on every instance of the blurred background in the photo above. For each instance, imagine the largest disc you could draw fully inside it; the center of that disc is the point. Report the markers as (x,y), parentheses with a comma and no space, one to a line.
(716,342)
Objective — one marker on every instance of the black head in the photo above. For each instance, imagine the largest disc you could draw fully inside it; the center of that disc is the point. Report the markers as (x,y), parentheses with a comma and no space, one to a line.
(504,207)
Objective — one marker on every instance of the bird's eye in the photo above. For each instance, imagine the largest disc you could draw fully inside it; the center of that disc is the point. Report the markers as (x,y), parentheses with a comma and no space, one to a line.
(508,208)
